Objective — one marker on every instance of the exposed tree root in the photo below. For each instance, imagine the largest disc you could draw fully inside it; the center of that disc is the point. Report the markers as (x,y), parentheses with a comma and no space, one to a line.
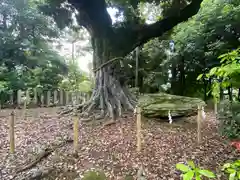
(109,98)
(46,152)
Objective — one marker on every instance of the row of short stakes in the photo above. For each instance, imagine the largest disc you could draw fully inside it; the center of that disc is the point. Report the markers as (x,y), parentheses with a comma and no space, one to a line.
(201,115)
(137,111)
(12,132)
(23,97)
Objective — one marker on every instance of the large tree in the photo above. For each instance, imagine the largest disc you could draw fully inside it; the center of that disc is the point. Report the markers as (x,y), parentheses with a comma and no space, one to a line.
(111,42)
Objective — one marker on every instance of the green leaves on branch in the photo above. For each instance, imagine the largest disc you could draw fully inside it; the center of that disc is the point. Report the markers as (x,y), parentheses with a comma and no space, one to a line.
(191,171)
(232,169)
(228,72)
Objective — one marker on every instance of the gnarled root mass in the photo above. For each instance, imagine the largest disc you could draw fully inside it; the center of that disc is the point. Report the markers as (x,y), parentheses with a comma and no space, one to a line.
(109,97)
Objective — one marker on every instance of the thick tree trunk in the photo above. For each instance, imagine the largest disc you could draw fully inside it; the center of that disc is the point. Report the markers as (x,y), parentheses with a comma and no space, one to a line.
(110,95)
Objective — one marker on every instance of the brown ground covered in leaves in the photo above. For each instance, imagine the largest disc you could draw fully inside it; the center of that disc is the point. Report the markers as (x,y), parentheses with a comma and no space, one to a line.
(111,148)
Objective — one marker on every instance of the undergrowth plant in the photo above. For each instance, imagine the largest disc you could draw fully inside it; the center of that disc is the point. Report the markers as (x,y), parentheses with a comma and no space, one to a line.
(191,171)
(224,76)
(229,119)
(232,169)
(188,172)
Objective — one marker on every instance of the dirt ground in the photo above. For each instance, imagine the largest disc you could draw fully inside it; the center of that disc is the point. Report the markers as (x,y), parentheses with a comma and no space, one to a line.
(111,149)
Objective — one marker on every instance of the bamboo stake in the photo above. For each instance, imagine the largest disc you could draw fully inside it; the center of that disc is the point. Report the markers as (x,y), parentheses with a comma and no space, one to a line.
(199,124)
(138,112)
(11,133)
(75,131)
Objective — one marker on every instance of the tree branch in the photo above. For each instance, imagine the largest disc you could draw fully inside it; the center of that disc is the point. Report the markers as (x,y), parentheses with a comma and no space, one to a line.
(142,34)
(157,29)
(94,16)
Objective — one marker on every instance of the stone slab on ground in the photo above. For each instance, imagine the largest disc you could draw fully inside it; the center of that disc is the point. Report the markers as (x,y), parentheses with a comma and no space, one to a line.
(158,105)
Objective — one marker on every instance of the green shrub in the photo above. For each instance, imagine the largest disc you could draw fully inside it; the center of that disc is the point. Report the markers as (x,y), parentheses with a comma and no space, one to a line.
(233,169)
(191,171)
(229,117)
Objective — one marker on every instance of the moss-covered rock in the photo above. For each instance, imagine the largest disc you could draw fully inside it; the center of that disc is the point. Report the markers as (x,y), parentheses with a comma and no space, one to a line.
(158,105)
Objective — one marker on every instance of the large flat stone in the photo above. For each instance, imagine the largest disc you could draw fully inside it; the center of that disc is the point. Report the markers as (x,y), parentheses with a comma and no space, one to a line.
(158,105)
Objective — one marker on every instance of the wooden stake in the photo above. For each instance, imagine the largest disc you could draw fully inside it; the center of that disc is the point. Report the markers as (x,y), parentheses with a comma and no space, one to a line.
(84,97)
(42,100)
(11,98)
(11,133)
(0,100)
(199,124)
(138,112)
(75,131)
(61,97)
(24,108)
(48,98)
(55,99)
(25,104)
(77,97)
(19,97)
(67,97)
(35,100)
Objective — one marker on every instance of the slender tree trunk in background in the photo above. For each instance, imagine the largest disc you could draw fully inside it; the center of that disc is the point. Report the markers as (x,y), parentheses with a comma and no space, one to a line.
(140,83)
(136,70)
(205,82)
(182,77)
(221,93)
(173,79)
(205,88)
(110,95)
(230,93)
